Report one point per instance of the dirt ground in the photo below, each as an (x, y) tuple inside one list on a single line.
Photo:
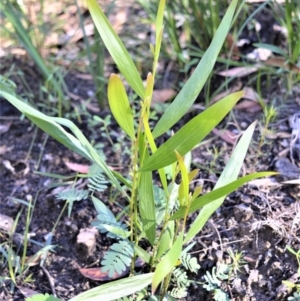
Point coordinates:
[(260, 219)]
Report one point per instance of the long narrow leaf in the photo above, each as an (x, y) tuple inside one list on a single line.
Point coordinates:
[(218, 193), (191, 134), (47, 125), (51, 126), (183, 193), (119, 105), (166, 241), (193, 86), (116, 289), (116, 48), (159, 33), (167, 263), (229, 174), (147, 205)]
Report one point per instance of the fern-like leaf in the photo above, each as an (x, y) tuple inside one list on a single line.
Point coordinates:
[(109, 225), (189, 262), (212, 282), (178, 292), (181, 278), (223, 271), (97, 183), (117, 258), (71, 196)]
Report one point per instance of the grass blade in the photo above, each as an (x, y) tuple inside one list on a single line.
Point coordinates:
[(191, 134), (193, 86), (119, 105), (116, 48), (167, 263), (52, 126), (219, 193), (116, 289), (147, 205)]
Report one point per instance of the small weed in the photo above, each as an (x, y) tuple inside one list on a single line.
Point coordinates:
[(237, 261), (270, 113), (17, 261)]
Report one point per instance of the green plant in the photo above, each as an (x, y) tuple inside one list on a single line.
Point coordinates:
[(237, 261), (288, 16), (16, 260), (195, 20), (270, 113), (96, 65), (213, 282), (27, 35), (291, 284), (161, 222), (297, 255)]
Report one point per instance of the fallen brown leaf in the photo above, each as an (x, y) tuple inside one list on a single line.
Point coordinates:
[(27, 292), (119, 19), (226, 135), (239, 71), (250, 94), (249, 105), (4, 127), (82, 168), (97, 275), (164, 95), (236, 87), (281, 62)]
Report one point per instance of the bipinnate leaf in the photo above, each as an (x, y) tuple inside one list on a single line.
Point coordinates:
[(167, 263), (194, 85), (101, 208), (117, 258), (191, 133), (116, 289), (116, 48), (52, 126), (119, 105)]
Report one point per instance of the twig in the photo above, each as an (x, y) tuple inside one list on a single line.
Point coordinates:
[(51, 281)]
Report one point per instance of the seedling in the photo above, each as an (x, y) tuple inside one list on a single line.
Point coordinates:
[(162, 223)]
